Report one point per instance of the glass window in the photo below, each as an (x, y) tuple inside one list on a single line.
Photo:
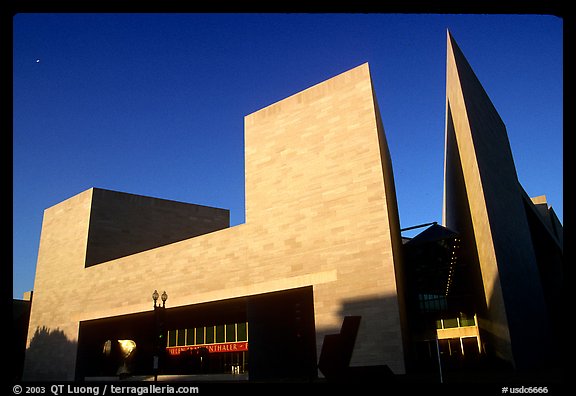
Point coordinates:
[(171, 338), (455, 346), (231, 332), (242, 334), (210, 335), (450, 323), (220, 333), (443, 304), (431, 302), (181, 337), (189, 336), (199, 335), (466, 320)]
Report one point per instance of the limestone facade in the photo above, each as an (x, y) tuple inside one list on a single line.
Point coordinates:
[(320, 211)]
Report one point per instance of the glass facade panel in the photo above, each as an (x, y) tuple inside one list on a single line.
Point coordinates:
[(171, 338), (242, 333), (209, 334), (181, 337), (190, 337), (431, 302), (450, 323), (231, 359), (220, 333), (199, 335), (466, 320), (455, 347), (231, 332)]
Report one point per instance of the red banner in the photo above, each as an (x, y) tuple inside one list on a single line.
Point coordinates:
[(212, 348)]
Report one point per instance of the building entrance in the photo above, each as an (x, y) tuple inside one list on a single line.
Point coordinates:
[(267, 336), (212, 349)]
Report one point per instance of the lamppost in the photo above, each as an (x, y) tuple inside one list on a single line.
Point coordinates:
[(164, 297), (160, 327)]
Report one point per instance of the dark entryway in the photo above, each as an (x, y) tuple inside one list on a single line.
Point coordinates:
[(282, 335), (281, 338)]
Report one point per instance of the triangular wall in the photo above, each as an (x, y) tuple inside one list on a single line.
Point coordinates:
[(483, 201)]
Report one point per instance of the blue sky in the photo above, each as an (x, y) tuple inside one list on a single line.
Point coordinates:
[(154, 104)]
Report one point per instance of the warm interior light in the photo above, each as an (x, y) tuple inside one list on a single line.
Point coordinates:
[(127, 346)]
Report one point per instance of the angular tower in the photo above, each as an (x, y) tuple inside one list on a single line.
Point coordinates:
[(485, 203)]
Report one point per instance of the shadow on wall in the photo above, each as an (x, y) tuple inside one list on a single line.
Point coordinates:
[(49, 346), (530, 345), (382, 343), (336, 353), (20, 322)]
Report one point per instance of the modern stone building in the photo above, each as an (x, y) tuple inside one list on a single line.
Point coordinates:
[(321, 242), (513, 246)]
